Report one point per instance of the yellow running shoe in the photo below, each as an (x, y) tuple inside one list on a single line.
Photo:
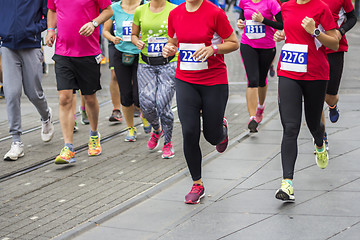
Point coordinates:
[(322, 158), (66, 156), (94, 145), (146, 125), (286, 191)]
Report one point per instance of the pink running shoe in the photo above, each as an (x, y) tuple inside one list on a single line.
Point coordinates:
[(154, 140), (259, 114), (168, 151), (196, 193), (221, 147)]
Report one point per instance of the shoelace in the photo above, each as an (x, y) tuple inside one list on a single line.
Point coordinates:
[(66, 152), (155, 137), (94, 141), (196, 189)]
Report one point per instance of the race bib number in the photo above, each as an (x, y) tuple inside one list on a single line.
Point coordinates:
[(294, 57), (156, 45), (187, 62), (254, 30), (126, 31)]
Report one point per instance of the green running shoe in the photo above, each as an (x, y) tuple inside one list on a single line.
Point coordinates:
[(322, 158), (286, 191)]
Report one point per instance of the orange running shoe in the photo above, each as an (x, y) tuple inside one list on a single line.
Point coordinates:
[(94, 145)]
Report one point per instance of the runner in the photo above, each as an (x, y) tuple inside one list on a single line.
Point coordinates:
[(203, 34), (258, 50), (155, 74), (77, 64), (303, 72), (21, 24), (125, 60), (344, 16)]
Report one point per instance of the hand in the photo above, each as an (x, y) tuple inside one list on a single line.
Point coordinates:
[(279, 36), (169, 50), (203, 53), (338, 35), (87, 29), (117, 40), (140, 44), (258, 17), (240, 24), (309, 25), (50, 38)]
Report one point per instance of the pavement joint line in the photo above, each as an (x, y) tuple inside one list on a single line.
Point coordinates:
[(141, 197)]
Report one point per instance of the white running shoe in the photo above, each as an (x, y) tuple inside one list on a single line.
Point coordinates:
[(47, 128), (16, 151)]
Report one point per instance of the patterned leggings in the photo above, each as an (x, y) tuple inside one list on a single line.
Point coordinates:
[(156, 91)]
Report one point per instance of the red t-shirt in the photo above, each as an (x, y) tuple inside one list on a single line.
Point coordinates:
[(208, 25), (338, 9), (311, 64)]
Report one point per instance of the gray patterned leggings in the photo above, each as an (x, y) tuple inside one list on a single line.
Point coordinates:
[(156, 91)]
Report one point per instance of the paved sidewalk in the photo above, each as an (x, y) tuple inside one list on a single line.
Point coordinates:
[(240, 187)]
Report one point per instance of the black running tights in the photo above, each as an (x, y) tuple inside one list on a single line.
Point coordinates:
[(191, 99), (291, 94)]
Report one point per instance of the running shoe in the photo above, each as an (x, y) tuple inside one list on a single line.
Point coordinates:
[(66, 156), (146, 125), (75, 127), (2, 95), (136, 112), (326, 142), (131, 135), (334, 113), (286, 191), (154, 140), (259, 114), (94, 145), (47, 128), (197, 192), (221, 147), (322, 158), (16, 151), (272, 71), (116, 116), (84, 117), (252, 125), (168, 151)]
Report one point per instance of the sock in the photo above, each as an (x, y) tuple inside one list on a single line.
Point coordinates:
[(82, 108), (157, 132), (320, 149), (260, 106), (93, 133), (70, 146), (75, 117), (16, 138), (252, 117), (289, 181)]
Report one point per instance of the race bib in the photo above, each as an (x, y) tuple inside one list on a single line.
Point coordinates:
[(126, 31), (254, 30), (294, 57), (156, 45), (187, 62)]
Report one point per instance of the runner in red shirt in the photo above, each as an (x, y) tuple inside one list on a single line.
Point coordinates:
[(345, 19), (203, 34), (303, 72)]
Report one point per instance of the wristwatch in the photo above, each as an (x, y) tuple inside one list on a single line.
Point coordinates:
[(95, 23), (316, 32), (342, 31), (215, 48)]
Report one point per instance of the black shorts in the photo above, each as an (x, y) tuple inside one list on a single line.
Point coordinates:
[(77, 73), (112, 51)]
